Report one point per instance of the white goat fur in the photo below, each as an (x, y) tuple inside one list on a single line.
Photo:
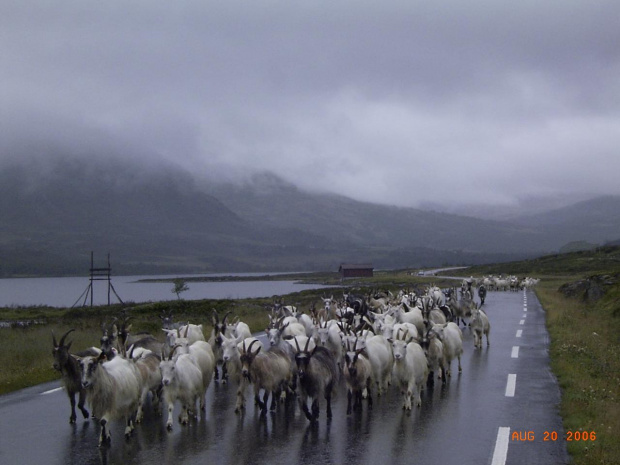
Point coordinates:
[(410, 370), (480, 325), (452, 338), (182, 380), (112, 390)]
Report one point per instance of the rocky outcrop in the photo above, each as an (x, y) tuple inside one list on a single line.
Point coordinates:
[(590, 289)]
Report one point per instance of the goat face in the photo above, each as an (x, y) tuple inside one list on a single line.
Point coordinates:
[(399, 348), (61, 356), (167, 370), (273, 334), (247, 357), (88, 367), (302, 359), (323, 333), (350, 359)]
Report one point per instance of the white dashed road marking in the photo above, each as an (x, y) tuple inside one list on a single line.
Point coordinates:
[(515, 352), (511, 385), (501, 446), (51, 391)]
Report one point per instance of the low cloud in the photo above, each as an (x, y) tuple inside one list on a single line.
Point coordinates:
[(396, 102)]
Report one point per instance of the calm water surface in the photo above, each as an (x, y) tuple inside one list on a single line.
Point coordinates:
[(65, 292)]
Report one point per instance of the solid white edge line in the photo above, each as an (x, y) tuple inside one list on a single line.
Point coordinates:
[(511, 385), (501, 446), (519, 332), (515, 352), (51, 391)]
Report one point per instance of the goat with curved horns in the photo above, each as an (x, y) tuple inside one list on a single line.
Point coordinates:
[(69, 368)]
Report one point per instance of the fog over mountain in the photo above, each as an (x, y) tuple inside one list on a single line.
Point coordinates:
[(451, 103), (161, 218)]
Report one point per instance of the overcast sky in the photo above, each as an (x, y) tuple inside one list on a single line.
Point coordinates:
[(387, 101)]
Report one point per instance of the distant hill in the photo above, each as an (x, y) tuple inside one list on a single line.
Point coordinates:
[(596, 220), (162, 220)]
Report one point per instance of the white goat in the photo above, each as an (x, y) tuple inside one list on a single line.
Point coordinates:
[(182, 380), (480, 325), (147, 364), (202, 355), (328, 335), (452, 338), (192, 333), (231, 351), (381, 358), (112, 390), (410, 369), (405, 314)]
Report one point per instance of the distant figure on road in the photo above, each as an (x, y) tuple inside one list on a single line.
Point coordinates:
[(482, 293)]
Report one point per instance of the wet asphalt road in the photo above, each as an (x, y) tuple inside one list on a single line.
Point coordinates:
[(457, 424)]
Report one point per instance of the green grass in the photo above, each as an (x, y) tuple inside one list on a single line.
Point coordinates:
[(585, 357)]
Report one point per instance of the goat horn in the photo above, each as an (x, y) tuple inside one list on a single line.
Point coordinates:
[(307, 345), (54, 339), (225, 316), (62, 339), (251, 344), (297, 344), (186, 330), (176, 346)]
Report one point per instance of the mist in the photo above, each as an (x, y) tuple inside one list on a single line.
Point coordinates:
[(408, 104)]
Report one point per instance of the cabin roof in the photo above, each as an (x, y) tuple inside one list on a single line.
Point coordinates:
[(356, 266)]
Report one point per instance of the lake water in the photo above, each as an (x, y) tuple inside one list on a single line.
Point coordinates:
[(65, 292)]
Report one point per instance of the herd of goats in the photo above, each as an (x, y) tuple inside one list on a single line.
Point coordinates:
[(405, 340)]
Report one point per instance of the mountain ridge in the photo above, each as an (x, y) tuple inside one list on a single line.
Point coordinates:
[(164, 219)]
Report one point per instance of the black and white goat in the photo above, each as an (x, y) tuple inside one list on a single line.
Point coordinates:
[(69, 368), (317, 373), (270, 371)]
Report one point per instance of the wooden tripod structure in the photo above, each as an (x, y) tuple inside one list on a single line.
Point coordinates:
[(98, 274)]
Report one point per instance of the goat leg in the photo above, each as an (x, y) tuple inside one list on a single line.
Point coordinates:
[(349, 398), (81, 401), (274, 396), (315, 410), (73, 417)]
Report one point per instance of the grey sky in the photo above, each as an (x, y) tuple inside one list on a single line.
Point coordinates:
[(394, 102)]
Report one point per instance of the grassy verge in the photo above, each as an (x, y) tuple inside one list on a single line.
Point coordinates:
[(585, 357)]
